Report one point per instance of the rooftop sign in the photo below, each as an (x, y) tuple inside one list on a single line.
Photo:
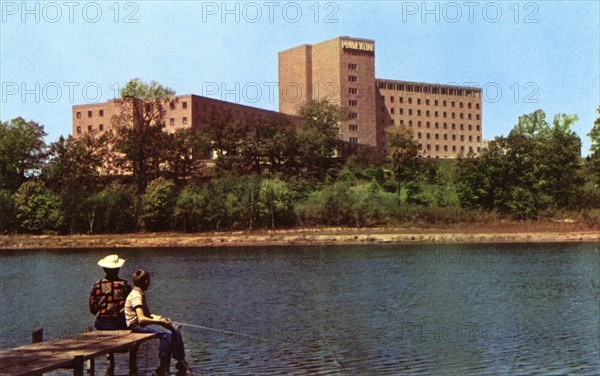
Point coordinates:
[(358, 45)]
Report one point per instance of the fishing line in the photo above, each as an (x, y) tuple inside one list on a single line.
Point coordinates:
[(255, 337)]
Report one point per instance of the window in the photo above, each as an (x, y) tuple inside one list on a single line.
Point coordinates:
[(462, 116), (172, 121), (461, 105), (401, 111), (78, 129), (409, 100), (410, 111), (101, 112), (437, 136), (184, 120), (352, 78), (352, 66), (477, 116), (89, 114), (401, 99), (353, 90), (393, 122), (78, 115), (469, 116), (453, 125), (353, 115), (445, 147), (392, 110), (478, 128), (437, 147), (470, 138), (418, 100), (428, 136), (453, 137), (445, 125), (444, 103), (469, 105), (353, 103), (436, 114), (101, 127), (453, 147), (436, 103), (453, 104), (462, 137), (462, 127), (184, 105), (410, 123), (477, 106), (172, 105), (418, 112), (478, 139), (470, 127), (428, 124), (90, 128), (419, 123), (354, 140), (445, 114), (392, 99), (445, 136), (419, 135), (427, 102), (453, 115), (353, 127)]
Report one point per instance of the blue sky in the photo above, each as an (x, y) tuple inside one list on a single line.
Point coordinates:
[(526, 55)]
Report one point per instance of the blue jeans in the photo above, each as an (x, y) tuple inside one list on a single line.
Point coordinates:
[(171, 341)]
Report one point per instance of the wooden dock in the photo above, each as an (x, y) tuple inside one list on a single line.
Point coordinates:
[(72, 352)]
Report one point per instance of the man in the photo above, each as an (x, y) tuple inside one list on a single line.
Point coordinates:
[(107, 298)]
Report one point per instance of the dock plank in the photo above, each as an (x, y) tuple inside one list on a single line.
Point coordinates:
[(43, 357)]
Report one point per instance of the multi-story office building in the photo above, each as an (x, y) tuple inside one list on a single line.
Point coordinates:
[(445, 119)]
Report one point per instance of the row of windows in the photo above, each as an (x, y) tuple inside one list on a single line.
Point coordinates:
[(352, 78), (435, 114), (90, 128), (417, 88), (437, 125), (184, 105), (435, 102), (352, 66), (454, 148), (90, 114), (454, 137), (184, 121)]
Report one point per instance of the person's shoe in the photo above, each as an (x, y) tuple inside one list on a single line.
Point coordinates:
[(183, 368)]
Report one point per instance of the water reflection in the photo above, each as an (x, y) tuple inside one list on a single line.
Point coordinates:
[(455, 309)]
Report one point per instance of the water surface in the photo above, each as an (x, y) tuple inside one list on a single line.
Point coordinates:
[(381, 309)]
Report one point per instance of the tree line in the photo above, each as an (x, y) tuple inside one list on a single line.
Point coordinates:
[(275, 172)]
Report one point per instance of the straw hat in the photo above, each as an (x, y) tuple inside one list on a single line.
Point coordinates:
[(111, 262)]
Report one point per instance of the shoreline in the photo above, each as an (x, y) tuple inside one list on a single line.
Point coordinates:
[(530, 232)]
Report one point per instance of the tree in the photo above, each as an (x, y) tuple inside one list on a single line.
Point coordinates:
[(22, 151), (111, 210), (139, 127), (8, 212), (403, 155), (594, 135), (158, 205), (225, 134), (73, 171), (181, 151), (275, 201), (318, 137), (535, 167), (38, 209)]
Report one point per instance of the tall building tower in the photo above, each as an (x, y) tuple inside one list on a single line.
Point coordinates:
[(446, 120), (340, 70)]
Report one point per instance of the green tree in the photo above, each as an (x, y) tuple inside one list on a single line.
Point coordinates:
[(111, 210), (139, 128), (22, 151), (73, 172), (191, 210), (38, 209), (226, 134), (275, 202), (182, 151), (8, 212), (318, 137), (594, 135), (403, 155), (158, 205)]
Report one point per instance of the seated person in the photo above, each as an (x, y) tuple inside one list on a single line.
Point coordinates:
[(141, 320), (107, 298)]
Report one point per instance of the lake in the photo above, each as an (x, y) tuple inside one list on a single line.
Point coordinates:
[(493, 309)]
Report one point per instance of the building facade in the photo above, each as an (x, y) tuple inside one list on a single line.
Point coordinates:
[(186, 111), (446, 120)]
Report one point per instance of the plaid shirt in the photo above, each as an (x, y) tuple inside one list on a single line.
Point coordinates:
[(107, 298)]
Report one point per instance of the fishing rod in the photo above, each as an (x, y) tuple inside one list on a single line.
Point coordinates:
[(255, 337)]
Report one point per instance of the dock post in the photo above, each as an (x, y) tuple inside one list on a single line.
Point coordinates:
[(133, 370), (37, 336), (78, 366)]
